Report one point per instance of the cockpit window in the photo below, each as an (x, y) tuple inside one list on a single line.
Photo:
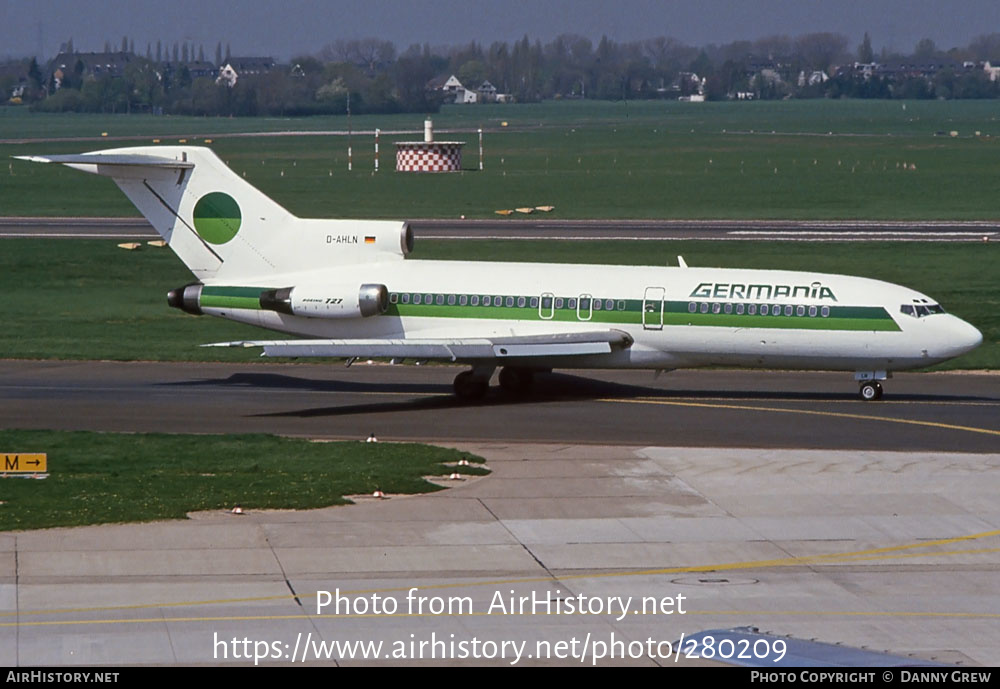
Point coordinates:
[(921, 310)]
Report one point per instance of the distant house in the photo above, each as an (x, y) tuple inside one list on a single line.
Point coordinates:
[(89, 65), (197, 69), (237, 67), (466, 96), (813, 78), (451, 90), (487, 92), (992, 69), (865, 70), (687, 85)]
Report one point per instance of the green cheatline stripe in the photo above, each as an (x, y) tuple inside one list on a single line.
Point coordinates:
[(231, 297), (229, 303), (675, 313)]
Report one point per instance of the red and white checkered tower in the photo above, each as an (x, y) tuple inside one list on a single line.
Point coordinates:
[(429, 155)]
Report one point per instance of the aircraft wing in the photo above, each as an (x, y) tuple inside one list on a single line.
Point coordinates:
[(448, 349)]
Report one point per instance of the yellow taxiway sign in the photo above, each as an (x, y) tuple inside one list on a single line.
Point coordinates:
[(24, 463)]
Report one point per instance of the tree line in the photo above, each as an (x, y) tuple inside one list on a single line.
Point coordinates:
[(370, 75)]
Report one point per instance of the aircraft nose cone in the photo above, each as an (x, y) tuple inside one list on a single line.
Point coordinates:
[(965, 337)]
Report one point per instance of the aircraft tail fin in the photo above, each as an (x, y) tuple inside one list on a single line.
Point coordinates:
[(221, 226)]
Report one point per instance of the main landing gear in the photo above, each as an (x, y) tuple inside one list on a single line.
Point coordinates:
[(474, 384), (470, 385), (871, 385), (516, 381)]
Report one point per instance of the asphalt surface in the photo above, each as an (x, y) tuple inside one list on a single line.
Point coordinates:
[(578, 230), (946, 412), (882, 536)]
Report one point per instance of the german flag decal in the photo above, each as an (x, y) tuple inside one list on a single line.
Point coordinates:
[(369, 239)]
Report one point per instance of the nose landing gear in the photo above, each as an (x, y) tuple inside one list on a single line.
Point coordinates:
[(871, 386), (871, 391)]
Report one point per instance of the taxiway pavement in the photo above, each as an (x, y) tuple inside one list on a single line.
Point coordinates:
[(884, 534)]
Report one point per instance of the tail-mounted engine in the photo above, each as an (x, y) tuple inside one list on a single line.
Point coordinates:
[(337, 301), (327, 302)]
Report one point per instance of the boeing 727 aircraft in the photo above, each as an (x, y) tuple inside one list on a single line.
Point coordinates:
[(344, 287)]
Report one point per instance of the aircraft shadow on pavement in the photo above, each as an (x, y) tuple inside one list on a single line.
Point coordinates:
[(548, 388)]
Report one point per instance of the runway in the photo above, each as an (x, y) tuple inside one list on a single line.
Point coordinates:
[(577, 230), (947, 412), (687, 492)]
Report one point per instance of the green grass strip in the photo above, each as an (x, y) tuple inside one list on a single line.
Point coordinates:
[(97, 478)]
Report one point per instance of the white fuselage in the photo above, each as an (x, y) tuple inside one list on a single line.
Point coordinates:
[(677, 317)]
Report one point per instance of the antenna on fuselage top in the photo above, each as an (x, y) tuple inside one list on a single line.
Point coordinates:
[(681, 262)]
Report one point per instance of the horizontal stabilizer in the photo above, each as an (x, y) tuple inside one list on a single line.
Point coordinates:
[(110, 159), (452, 349)]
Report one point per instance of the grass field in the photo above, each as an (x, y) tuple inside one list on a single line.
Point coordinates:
[(98, 478), (87, 299), (796, 159)]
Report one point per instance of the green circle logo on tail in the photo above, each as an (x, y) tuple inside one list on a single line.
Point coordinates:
[(217, 217)]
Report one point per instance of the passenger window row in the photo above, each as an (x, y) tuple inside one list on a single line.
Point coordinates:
[(547, 302), (751, 309)]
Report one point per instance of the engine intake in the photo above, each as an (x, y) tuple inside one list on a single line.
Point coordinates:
[(186, 298)]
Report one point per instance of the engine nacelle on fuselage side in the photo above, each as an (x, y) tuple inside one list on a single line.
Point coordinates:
[(336, 301), (341, 301)]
